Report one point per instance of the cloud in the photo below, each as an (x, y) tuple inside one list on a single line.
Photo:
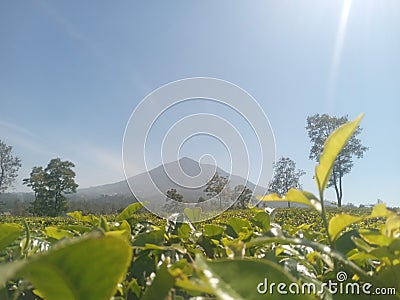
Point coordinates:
[(21, 137)]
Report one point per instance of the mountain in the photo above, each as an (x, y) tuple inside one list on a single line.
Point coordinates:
[(161, 176)]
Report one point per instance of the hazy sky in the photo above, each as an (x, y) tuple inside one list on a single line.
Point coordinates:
[(71, 74)]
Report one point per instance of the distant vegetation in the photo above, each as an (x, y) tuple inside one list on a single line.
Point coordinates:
[(319, 127), (54, 185), (241, 254), (50, 185), (9, 166)]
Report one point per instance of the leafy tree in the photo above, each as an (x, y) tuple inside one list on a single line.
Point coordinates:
[(319, 127), (9, 166), (285, 177), (200, 201), (173, 200), (50, 186), (217, 187), (242, 195), (37, 181)]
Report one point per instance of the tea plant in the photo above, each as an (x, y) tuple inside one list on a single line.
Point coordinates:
[(139, 256)]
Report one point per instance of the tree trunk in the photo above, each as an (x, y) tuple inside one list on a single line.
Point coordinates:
[(340, 191), (338, 197)]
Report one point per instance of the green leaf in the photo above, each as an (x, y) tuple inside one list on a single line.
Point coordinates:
[(239, 225), (184, 231), (211, 230), (194, 285), (57, 233), (77, 228), (262, 220), (9, 232), (128, 212), (345, 242), (194, 215), (392, 226), (7, 271), (161, 285), (294, 195), (104, 224), (155, 237), (395, 245), (332, 147), (380, 210), (76, 270), (362, 245), (303, 197), (77, 215), (374, 237), (361, 256), (123, 230), (390, 275), (339, 222), (239, 279), (271, 197)]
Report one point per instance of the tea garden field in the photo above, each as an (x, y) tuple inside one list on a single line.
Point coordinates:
[(316, 252), (140, 256)]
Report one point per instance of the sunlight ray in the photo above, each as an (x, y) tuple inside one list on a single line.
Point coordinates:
[(337, 55)]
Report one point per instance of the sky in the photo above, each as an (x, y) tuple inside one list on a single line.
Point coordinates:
[(72, 73)]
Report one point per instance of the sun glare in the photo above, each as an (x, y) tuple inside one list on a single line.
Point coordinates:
[(337, 53)]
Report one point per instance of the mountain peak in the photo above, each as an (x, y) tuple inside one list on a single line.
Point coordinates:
[(186, 159)]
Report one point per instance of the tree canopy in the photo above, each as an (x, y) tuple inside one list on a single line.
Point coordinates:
[(173, 201), (217, 187), (242, 196), (9, 166), (285, 177), (50, 185), (319, 127)]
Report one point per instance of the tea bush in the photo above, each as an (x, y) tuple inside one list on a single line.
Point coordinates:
[(241, 254)]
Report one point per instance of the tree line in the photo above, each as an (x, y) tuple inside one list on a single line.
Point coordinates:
[(52, 184), (285, 175)]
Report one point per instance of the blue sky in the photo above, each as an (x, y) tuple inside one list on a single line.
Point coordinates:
[(72, 73)]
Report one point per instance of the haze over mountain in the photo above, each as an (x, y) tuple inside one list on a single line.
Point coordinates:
[(161, 176), (144, 189)]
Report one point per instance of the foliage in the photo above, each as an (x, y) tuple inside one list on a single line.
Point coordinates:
[(319, 127), (285, 177), (50, 186), (9, 166), (173, 201), (242, 196), (218, 187), (237, 255)]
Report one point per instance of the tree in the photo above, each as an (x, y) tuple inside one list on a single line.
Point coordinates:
[(319, 127), (9, 166), (173, 200), (217, 187), (50, 186), (242, 195), (285, 177)]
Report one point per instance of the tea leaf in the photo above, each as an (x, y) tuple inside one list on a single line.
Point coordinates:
[(339, 222), (8, 233), (332, 147), (239, 279)]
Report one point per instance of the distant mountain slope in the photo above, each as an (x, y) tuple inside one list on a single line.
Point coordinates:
[(146, 192), (162, 180)]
